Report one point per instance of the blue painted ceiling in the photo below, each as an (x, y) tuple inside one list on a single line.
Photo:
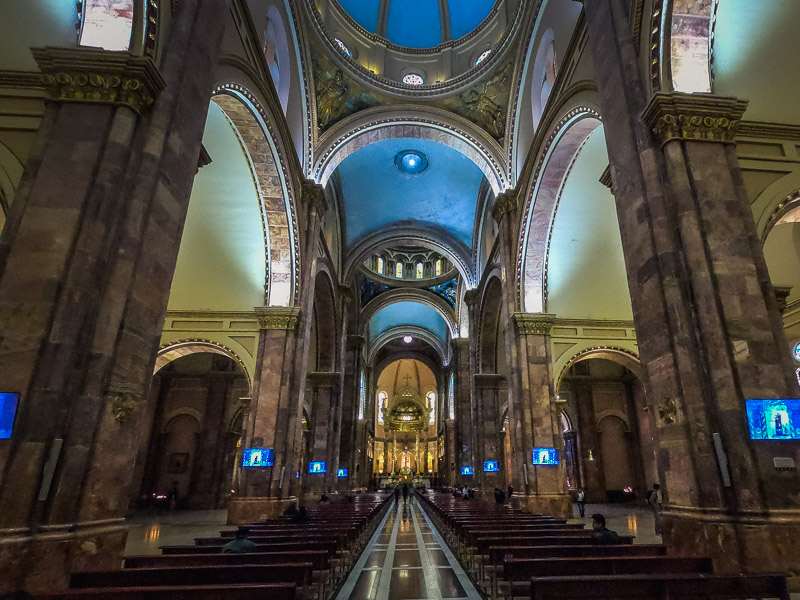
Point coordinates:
[(408, 313), (418, 23), (377, 195)]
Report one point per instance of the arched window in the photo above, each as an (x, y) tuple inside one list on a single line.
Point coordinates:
[(438, 267), (431, 398), (107, 25), (398, 270), (543, 75), (413, 79), (420, 271), (271, 53), (380, 266), (451, 399), (276, 51), (484, 55), (343, 47), (362, 397), (383, 401)]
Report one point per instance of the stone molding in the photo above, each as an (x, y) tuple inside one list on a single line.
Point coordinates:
[(782, 295), (534, 324), (471, 297), (504, 203), (490, 380), (204, 158), (694, 117), (605, 178), (21, 80), (346, 294), (99, 77), (314, 195), (322, 379), (356, 342), (278, 317)]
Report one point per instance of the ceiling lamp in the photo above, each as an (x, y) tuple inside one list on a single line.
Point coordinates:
[(408, 339), (411, 162)]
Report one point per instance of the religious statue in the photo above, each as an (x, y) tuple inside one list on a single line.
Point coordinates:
[(485, 104), (329, 99)]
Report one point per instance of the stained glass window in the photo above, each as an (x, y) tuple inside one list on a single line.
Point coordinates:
[(382, 402), (451, 400), (398, 270), (107, 24), (420, 271), (413, 79), (343, 47), (380, 266), (431, 396), (362, 397), (484, 55), (438, 267)]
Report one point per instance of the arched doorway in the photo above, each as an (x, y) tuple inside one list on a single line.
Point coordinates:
[(190, 448), (608, 434)]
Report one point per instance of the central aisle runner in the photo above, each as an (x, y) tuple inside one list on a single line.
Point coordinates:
[(407, 559)]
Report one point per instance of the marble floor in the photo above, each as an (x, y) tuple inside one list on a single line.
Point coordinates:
[(406, 559), (148, 532)]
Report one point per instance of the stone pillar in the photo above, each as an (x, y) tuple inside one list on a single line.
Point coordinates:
[(349, 452), (707, 322), (463, 433), (491, 391), (86, 260), (594, 482), (322, 394)]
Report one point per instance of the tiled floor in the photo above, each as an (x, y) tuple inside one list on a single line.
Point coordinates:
[(407, 560)]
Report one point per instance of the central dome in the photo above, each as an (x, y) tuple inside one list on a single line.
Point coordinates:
[(418, 23)]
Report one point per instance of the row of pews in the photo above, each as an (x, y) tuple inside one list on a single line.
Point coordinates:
[(512, 554), (292, 561)]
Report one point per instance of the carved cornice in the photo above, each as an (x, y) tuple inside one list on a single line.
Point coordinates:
[(100, 77), (356, 342), (322, 379), (771, 131), (21, 80), (204, 159), (781, 295), (489, 380), (534, 324), (504, 203), (278, 317), (346, 294), (471, 297), (314, 195), (694, 117), (605, 179)]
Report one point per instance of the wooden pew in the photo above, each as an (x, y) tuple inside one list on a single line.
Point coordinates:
[(661, 587), (270, 591), (517, 572)]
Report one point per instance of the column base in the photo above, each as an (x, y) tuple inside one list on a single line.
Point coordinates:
[(743, 543), (555, 505), (250, 510), (41, 563)]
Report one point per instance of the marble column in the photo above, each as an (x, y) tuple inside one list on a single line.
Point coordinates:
[(322, 395), (707, 321), (491, 390), (349, 450), (86, 260), (463, 433)]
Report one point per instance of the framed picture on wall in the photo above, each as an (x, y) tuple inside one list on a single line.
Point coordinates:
[(178, 462)]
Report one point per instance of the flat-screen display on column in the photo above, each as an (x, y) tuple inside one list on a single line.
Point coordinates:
[(341, 473), (317, 466), (545, 456), (773, 419), (490, 466), (466, 470), (257, 457), (8, 412)]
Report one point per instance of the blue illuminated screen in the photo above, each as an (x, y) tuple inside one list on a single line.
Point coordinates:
[(341, 473), (257, 457), (773, 419), (490, 466), (8, 412), (545, 456), (317, 466), (466, 470)]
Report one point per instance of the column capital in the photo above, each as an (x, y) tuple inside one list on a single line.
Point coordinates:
[(278, 317), (693, 117), (504, 202), (605, 178), (346, 293), (313, 194), (534, 323), (99, 77), (356, 342)]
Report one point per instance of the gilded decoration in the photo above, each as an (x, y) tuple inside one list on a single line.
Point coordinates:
[(407, 411), (504, 203), (275, 317), (99, 77), (694, 117), (534, 324), (668, 411), (123, 405)]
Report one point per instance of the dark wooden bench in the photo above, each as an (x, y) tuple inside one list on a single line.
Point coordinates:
[(517, 572), (272, 591), (327, 545), (661, 587)]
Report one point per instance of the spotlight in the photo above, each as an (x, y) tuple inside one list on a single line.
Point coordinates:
[(407, 339)]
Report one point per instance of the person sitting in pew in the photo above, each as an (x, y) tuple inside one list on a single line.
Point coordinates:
[(302, 515), (291, 510), (601, 534), (240, 543)]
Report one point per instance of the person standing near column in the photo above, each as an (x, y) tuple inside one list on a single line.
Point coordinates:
[(581, 498), (654, 499)]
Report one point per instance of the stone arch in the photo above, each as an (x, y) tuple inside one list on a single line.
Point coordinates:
[(10, 173), (175, 350), (409, 121), (621, 356), (432, 238), (541, 201), (413, 330), (272, 179), (411, 295), (323, 323), (490, 350)]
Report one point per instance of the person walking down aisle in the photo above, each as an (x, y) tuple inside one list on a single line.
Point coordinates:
[(654, 499), (581, 497), (405, 493)]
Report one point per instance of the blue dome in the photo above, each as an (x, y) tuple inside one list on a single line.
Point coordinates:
[(418, 23)]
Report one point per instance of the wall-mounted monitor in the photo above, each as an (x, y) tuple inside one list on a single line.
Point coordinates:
[(466, 470), (491, 466), (773, 419), (8, 413), (257, 457), (545, 456), (317, 466), (341, 473)]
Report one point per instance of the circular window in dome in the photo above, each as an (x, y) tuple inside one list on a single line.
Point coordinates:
[(484, 55), (343, 47), (411, 162), (413, 79)]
